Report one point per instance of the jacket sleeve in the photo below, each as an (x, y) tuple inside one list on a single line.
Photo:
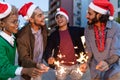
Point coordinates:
[(49, 48), (7, 69), (24, 53)]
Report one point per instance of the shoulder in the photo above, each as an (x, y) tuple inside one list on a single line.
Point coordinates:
[(3, 42), (24, 31), (116, 24), (54, 31), (76, 28)]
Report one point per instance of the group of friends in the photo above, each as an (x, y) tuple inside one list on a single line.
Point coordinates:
[(33, 45)]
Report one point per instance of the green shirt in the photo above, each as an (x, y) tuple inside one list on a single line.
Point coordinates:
[(7, 59)]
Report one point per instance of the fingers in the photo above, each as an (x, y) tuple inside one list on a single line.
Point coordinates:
[(51, 60), (43, 67), (83, 68), (102, 66), (33, 72)]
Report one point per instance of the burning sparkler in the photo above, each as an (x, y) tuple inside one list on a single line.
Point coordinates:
[(83, 58)]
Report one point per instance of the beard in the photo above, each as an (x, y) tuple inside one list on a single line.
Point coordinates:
[(93, 21), (38, 24)]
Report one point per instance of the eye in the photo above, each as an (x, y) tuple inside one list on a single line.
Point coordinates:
[(15, 21)]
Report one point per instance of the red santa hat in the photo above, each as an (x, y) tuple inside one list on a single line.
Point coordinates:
[(102, 7), (5, 9), (63, 12), (27, 10)]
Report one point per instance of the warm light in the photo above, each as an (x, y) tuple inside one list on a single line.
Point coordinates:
[(60, 56), (83, 58), (62, 70), (78, 71)]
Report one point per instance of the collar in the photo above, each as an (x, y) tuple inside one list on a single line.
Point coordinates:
[(109, 24), (34, 32), (7, 37)]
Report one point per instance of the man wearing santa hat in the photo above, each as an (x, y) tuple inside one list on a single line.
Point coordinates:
[(32, 38), (102, 41), (9, 26), (65, 41)]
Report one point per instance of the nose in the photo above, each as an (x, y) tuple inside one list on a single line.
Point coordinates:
[(87, 16), (43, 16)]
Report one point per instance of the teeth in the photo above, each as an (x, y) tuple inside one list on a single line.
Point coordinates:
[(16, 28)]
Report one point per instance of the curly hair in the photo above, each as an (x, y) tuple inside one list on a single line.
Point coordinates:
[(104, 18), (14, 11)]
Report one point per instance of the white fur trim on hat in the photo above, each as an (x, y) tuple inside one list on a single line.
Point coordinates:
[(7, 12), (30, 12), (62, 13), (111, 17), (97, 9)]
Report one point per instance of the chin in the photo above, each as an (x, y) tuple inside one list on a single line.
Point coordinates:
[(90, 23), (15, 31), (43, 24)]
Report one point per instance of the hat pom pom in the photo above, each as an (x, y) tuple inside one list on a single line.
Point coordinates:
[(58, 9), (111, 17)]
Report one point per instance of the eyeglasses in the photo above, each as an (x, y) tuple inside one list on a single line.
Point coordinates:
[(14, 21)]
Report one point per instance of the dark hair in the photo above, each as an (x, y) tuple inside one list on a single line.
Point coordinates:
[(104, 18), (33, 15)]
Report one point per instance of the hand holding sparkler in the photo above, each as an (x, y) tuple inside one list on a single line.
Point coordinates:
[(83, 60), (51, 60), (83, 67), (42, 67)]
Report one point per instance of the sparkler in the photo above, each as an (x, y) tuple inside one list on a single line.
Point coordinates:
[(61, 69), (83, 58)]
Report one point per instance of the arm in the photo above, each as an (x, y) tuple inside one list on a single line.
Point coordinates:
[(115, 47), (6, 68), (114, 50), (49, 52), (25, 57), (87, 46)]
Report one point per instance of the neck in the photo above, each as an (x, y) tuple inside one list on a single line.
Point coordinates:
[(35, 27), (8, 32), (62, 28), (98, 24)]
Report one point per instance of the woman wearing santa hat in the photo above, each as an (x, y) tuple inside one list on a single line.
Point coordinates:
[(9, 26), (65, 41), (102, 41)]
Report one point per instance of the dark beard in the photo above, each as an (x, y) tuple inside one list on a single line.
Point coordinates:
[(94, 20), (38, 24)]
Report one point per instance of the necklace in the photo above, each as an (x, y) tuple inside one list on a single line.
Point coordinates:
[(100, 37)]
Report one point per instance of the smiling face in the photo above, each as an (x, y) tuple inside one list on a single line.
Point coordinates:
[(38, 18), (92, 16), (61, 21), (10, 23)]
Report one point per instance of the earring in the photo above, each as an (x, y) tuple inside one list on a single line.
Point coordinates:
[(3, 29)]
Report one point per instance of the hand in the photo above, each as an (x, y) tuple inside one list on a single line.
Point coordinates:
[(51, 60), (102, 66), (32, 72), (42, 67), (83, 67)]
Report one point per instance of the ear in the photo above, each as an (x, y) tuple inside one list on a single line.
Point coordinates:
[(99, 15), (2, 24), (31, 20)]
